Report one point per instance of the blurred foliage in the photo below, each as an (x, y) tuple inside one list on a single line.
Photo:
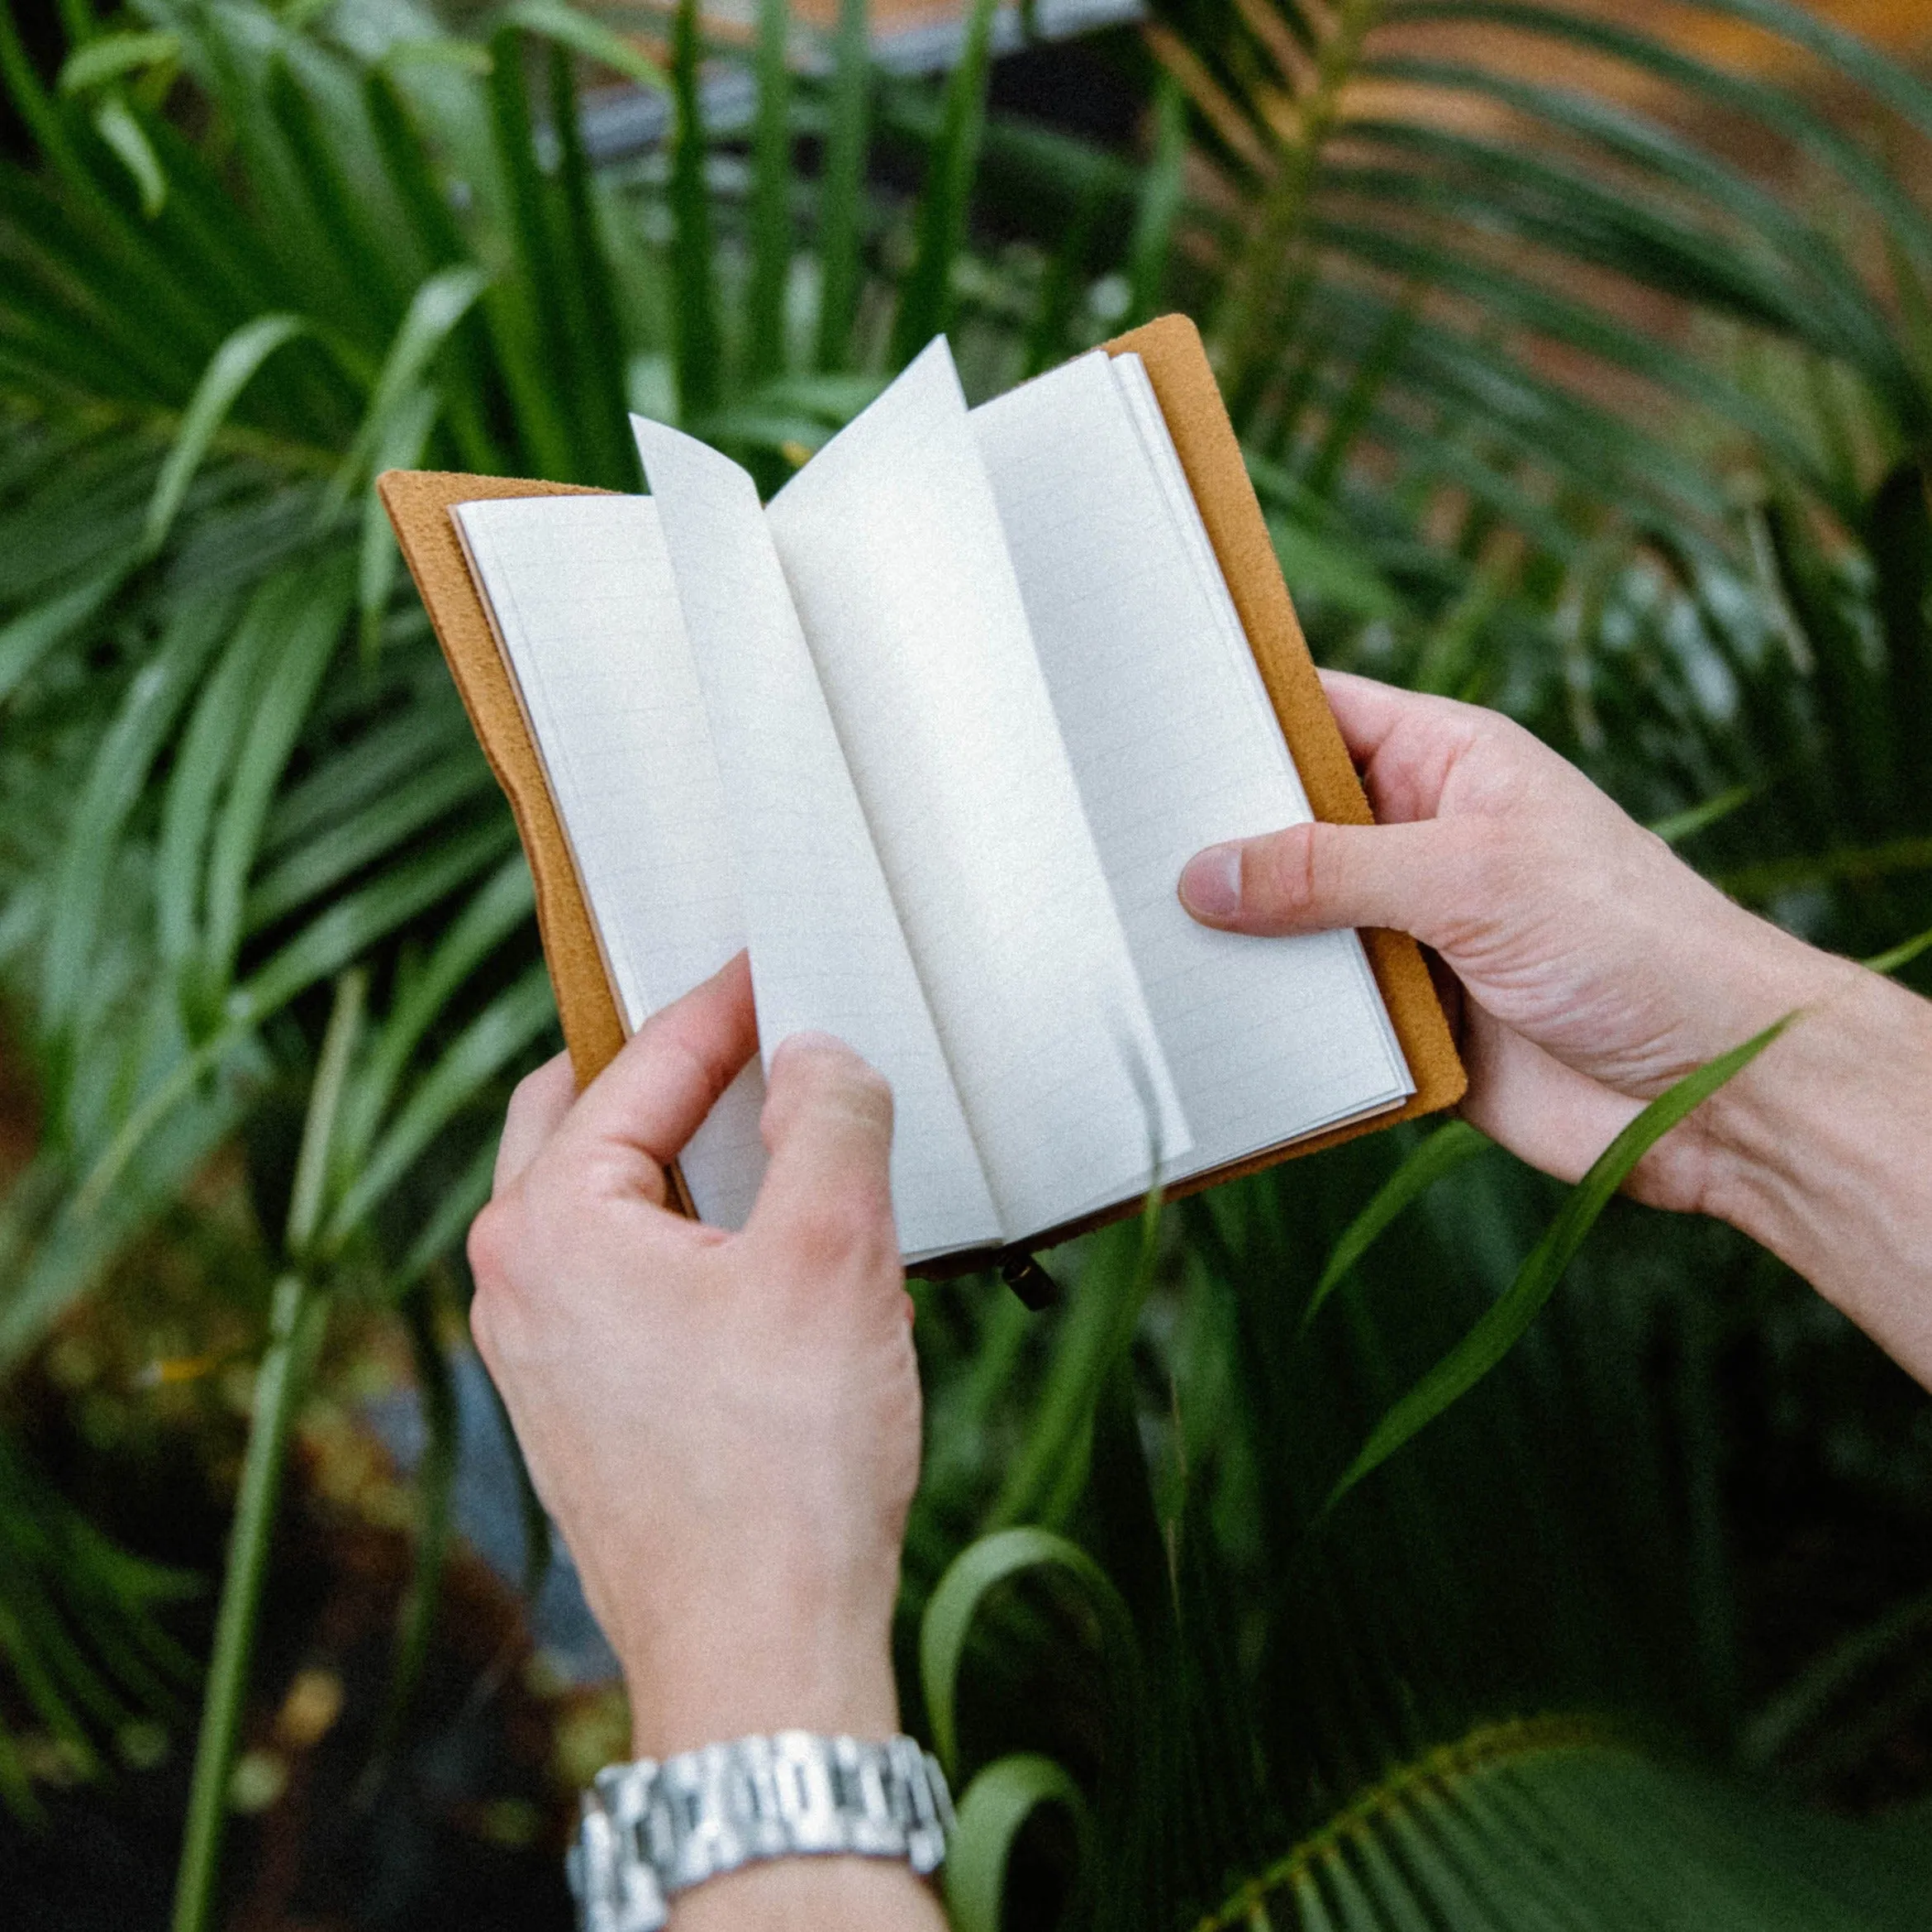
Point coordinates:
[(1551, 403)]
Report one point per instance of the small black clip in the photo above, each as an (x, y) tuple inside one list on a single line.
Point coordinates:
[(1035, 1287)]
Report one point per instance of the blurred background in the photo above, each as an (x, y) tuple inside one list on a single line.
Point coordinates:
[(1582, 357)]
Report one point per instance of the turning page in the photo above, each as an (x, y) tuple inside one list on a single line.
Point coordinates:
[(892, 545), (1175, 746), (827, 952), (585, 608)]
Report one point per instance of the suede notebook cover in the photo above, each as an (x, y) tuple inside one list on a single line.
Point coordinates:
[(419, 503)]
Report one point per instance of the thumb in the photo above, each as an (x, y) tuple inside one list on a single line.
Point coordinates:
[(828, 1125), (1416, 878)]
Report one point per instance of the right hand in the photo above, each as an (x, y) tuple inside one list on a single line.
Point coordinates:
[(1594, 968), (1598, 967)]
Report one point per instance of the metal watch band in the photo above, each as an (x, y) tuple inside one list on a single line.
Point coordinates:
[(651, 1831)]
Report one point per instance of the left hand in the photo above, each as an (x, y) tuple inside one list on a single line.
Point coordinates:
[(725, 1427)]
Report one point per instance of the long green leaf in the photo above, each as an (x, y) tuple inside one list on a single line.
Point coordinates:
[(371, 913), (1894, 958), (771, 196), (331, 941), (976, 1573), (1444, 1151), (85, 1239), (119, 772), (296, 1317), (31, 636), (203, 758), (1043, 1476), (413, 179), (113, 56), (435, 310), (380, 828), (229, 370), (443, 1231), (500, 1032), (1499, 1328), (498, 908), (307, 639), (698, 333), (120, 132), (1163, 190), (1679, 826), (328, 248), (1763, 878), (588, 300), (384, 754), (1786, 112), (1888, 80), (994, 1810), (925, 298), (842, 201), (403, 441), (584, 34), (533, 352)]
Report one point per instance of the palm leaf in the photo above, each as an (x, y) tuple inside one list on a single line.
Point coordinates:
[(994, 1810), (927, 298), (1486, 1344), (842, 234)]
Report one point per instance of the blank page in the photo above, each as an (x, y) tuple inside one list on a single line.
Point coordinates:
[(827, 953), (1175, 746), (581, 593), (892, 545)]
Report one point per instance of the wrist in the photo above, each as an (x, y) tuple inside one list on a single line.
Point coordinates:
[(785, 1828), (1822, 1152), (854, 1893), (712, 1648), (707, 1687)]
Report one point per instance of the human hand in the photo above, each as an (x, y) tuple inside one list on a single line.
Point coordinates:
[(1594, 967), (725, 1427)]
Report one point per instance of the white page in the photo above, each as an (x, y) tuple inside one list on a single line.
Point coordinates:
[(1136, 388), (892, 545), (827, 953), (581, 591), (1175, 746)]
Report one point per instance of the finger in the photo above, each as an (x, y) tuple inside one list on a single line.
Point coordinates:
[(1368, 710), (1430, 878), (653, 1097), (1528, 1101), (536, 1111), (1405, 743), (828, 1124)]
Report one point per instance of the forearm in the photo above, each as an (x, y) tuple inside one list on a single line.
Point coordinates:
[(753, 1675), (1827, 1158), (807, 1895)]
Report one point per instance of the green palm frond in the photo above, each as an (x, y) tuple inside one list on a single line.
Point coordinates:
[(1554, 1819), (232, 771)]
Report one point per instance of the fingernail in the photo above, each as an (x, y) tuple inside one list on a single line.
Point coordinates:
[(1211, 882), (807, 1041)]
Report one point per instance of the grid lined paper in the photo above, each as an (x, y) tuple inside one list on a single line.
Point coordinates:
[(934, 734), (1175, 746), (581, 591), (827, 951), (891, 545)]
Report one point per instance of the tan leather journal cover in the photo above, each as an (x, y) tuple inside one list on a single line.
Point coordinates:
[(418, 502)]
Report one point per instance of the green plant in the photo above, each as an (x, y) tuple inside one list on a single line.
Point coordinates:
[(1493, 1686), (256, 869)]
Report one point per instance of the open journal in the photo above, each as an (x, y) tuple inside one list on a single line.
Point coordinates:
[(932, 733)]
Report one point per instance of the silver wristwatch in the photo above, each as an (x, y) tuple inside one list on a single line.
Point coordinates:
[(650, 1830)]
